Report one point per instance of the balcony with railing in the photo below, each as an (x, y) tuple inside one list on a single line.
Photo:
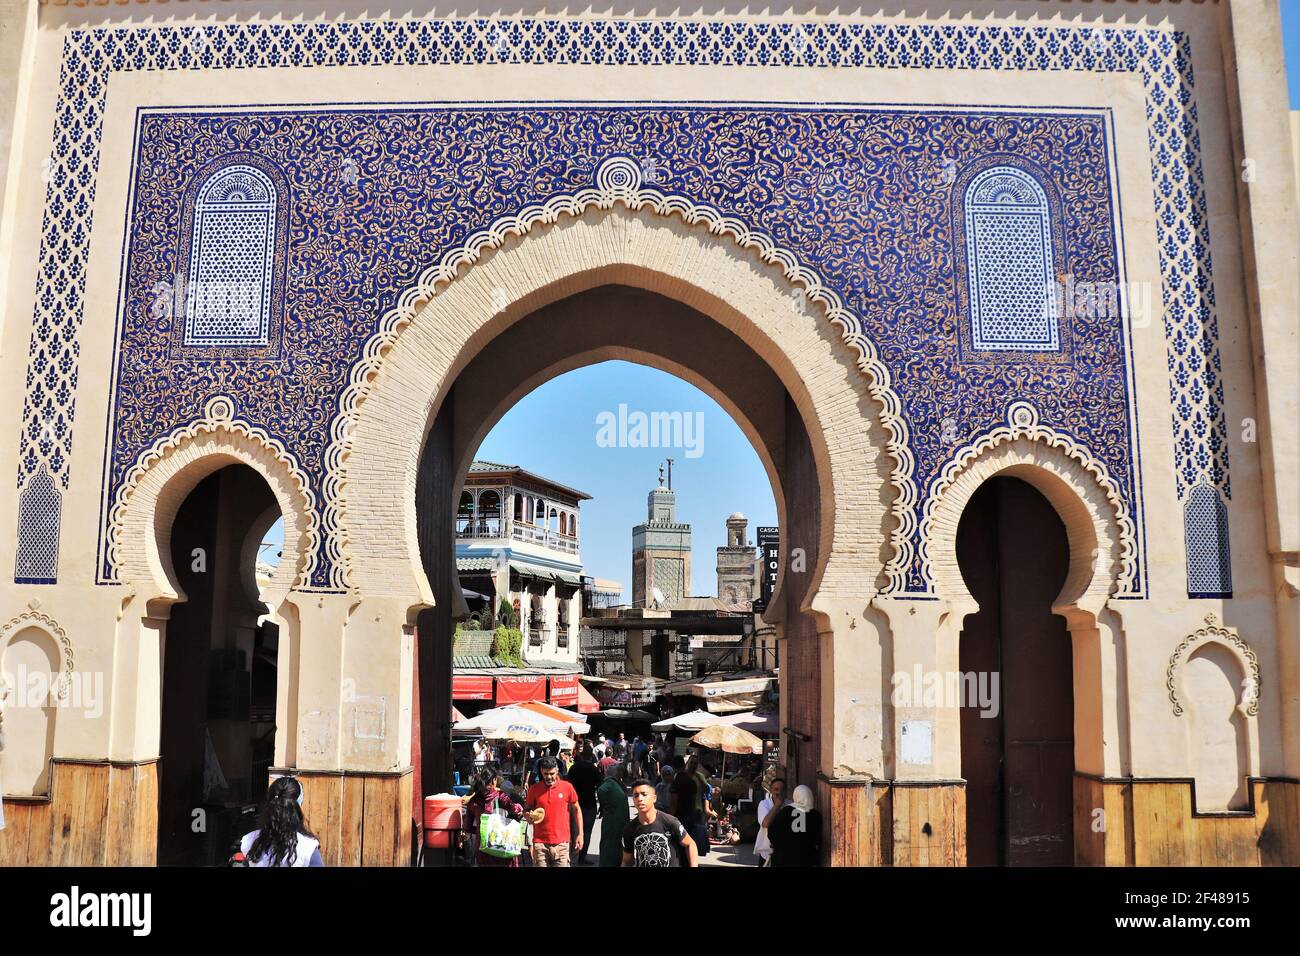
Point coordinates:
[(480, 528), (543, 536)]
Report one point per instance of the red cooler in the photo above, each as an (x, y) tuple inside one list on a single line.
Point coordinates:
[(442, 815)]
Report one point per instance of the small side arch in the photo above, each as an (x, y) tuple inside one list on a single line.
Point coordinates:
[(1102, 535), (35, 664), (141, 520), (1089, 508), (1215, 633), (1213, 681), (1079, 499)]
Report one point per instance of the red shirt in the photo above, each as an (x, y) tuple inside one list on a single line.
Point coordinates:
[(555, 801)]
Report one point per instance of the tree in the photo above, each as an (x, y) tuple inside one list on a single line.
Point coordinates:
[(506, 614), (507, 645)]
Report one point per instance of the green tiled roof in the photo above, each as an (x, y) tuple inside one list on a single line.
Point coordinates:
[(567, 666), (479, 465), (475, 662)]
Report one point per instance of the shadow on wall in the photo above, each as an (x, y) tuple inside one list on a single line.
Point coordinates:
[(1213, 680), (29, 667)]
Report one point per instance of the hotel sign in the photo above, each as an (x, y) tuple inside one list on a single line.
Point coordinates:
[(769, 553)]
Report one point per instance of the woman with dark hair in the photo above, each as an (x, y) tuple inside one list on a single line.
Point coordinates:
[(283, 838), (488, 797)]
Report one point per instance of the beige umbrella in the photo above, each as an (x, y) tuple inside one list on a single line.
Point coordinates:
[(728, 739)]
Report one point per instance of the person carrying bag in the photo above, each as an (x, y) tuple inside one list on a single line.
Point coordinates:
[(498, 835), (496, 818)]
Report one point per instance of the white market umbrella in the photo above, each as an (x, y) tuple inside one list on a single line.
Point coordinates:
[(575, 722), (695, 720), (514, 723)]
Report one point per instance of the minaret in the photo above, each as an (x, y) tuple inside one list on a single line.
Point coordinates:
[(661, 548), (736, 564)]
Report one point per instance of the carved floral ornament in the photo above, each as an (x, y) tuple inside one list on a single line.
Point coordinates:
[(1213, 632), (33, 617)]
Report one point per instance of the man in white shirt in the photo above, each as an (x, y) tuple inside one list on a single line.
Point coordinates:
[(774, 800)]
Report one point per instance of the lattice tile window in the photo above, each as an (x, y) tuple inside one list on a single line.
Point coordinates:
[(232, 254), (1010, 268), (1209, 559), (38, 531), (668, 577)]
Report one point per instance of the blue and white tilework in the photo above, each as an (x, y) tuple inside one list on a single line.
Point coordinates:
[(549, 150)]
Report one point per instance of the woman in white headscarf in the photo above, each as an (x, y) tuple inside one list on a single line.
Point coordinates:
[(796, 832)]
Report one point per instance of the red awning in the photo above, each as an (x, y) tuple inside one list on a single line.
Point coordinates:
[(586, 703), (471, 687), (516, 690), (564, 690)]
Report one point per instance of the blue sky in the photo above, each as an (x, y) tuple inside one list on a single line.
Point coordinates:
[(553, 431), (1291, 41)]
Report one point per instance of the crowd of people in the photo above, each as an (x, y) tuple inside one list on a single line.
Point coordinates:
[(676, 806), (673, 804), (638, 757)]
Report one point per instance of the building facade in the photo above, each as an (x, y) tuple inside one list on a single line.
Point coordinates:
[(517, 540), (1003, 293)]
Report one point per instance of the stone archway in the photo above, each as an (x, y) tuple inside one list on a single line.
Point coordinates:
[(719, 279), (141, 552), (844, 529)]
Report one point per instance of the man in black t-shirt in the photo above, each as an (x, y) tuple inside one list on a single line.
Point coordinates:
[(653, 839)]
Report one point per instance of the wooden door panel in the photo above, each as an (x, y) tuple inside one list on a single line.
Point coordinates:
[(981, 737), (1039, 802), (1014, 557)]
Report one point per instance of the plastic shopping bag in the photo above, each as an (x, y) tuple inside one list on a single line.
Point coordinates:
[(500, 836)]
